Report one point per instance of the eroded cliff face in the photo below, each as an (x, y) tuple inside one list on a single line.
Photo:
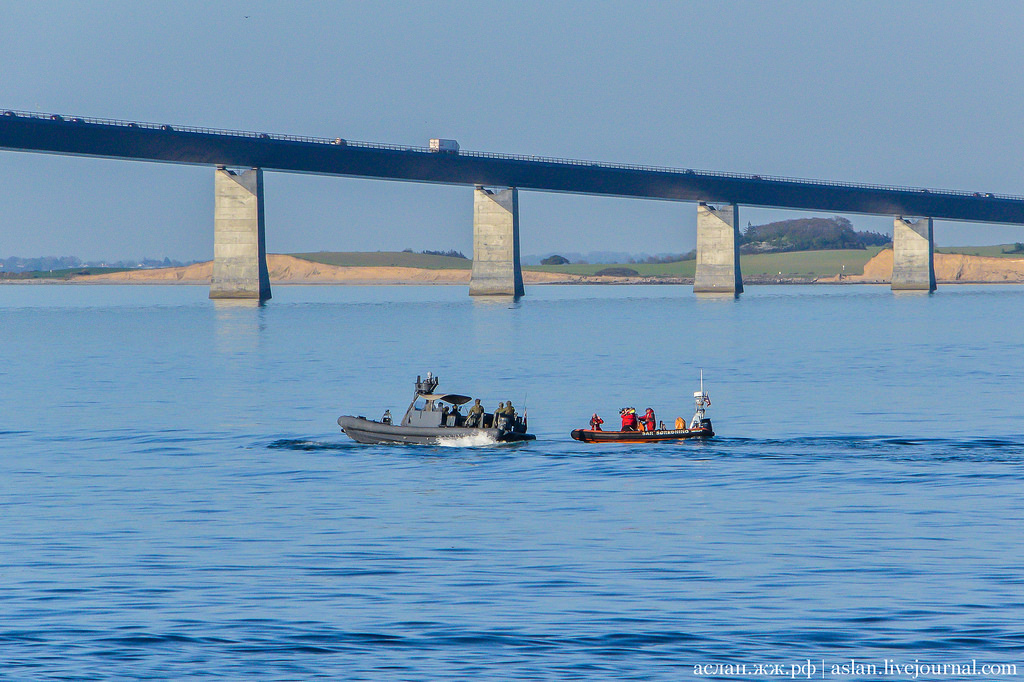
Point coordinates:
[(950, 268), (290, 270)]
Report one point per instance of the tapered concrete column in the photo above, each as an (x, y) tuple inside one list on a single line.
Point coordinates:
[(718, 250), (913, 255), (496, 268), (239, 247)]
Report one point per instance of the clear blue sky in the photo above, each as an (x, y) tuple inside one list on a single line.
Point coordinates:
[(910, 93)]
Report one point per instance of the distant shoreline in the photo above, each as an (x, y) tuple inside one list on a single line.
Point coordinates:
[(950, 268)]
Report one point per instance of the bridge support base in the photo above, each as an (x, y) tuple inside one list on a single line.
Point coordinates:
[(239, 248), (496, 267), (718, 251), (913, 255)]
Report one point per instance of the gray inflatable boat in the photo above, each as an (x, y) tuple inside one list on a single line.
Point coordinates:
[(433, 417)]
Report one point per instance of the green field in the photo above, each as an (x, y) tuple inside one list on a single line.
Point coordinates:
[(61, 274), (809, 263), (994, 251), (386, 259), (794, 264)]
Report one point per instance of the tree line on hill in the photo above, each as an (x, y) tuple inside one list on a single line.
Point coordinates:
[(50, 263), (451, 253), (808, 234), (802, 234), (556, 259)]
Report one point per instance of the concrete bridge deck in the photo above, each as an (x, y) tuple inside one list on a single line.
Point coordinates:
[(35, 132)]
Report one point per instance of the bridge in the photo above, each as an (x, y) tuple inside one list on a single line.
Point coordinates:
[(240, 269)]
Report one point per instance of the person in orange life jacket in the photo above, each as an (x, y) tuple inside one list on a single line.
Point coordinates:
[(595, 423), (649, 421), (629, 422)]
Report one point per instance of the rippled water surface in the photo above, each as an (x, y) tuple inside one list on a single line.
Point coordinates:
[(178, 502)]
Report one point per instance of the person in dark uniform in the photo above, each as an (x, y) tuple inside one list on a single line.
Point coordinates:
[(476, 415), (595, 423)]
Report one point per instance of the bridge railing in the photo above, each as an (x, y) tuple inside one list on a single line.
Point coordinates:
[(506, 157)]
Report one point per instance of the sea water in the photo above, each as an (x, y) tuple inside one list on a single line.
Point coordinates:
[(177, 501)]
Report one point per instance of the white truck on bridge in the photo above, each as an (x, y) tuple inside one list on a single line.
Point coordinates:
[(443, 146)]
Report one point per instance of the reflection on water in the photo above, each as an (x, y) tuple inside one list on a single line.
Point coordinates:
[(494, 320), (228, 303), (500, 301), (716, 296), (238, 323)]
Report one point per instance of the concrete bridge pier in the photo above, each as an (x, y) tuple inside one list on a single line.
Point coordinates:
[(718, 250), (913, 255), (496, 267), (239, 246)]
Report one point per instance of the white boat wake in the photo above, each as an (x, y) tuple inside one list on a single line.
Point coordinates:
[(474, 441)]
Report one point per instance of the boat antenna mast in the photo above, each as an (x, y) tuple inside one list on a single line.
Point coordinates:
[(701, 402)]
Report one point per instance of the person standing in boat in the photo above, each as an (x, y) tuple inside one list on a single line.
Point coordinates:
[(649, 421), (595, 423), (476, 415)]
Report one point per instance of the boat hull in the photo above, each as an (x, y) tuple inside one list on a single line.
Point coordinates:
[(660, 436), (372, 432)]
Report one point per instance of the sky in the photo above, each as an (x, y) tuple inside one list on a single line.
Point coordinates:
[(908, 93)]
